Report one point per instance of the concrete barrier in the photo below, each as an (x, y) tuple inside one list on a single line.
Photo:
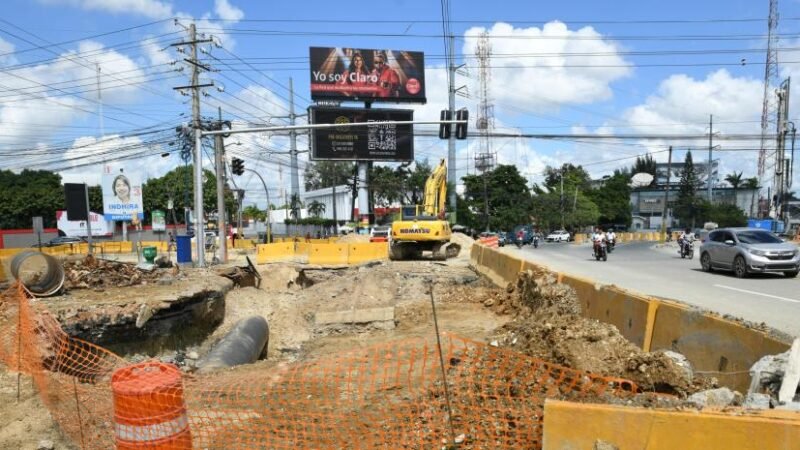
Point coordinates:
[(364, 252), (627, 427), (722, 348), (328, 254), (274, 252)]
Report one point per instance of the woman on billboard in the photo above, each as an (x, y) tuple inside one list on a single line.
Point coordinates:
[(122, 188), (356, 76)]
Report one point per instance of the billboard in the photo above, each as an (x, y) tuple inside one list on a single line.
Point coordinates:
[(122, 195), (352, 74), (159, 220), (77, 228), (378, 142)]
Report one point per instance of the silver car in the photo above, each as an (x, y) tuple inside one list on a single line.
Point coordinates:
[(749, 250)]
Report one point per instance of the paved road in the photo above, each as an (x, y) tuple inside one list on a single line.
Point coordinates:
[(660, 272)]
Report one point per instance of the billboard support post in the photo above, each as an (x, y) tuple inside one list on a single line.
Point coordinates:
[(88, 219), (451, 141), (38, 226)]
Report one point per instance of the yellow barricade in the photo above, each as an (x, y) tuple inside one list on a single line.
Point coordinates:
[(244, 243), (278, 251), (328, 254), (3, 262)]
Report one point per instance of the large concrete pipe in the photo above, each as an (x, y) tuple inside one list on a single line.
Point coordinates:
[(242, 345), (41, 274)]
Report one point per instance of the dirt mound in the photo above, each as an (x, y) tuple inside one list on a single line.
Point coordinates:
[(353, 238), (91, 272), (548, 325), (464, 241)]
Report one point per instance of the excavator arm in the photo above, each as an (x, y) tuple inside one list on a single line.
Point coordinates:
[(436, 191)]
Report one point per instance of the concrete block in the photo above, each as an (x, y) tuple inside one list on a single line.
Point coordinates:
[(713, 398), (757, 401), (682, 362), (366, 315), (791, 376)]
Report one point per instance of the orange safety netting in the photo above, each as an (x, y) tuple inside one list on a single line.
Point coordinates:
[(389, 396)]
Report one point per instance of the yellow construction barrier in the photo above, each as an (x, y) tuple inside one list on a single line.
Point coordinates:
[(363, 252), (724, 349), (625, 427), (244, 243), (328, 254), (274, 252)]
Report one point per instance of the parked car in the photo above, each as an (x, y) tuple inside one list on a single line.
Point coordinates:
[(346, 229), (558, 236), (749, 250), (380, 233), (61, 240)]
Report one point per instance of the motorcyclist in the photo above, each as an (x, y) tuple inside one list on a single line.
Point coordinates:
[(611, 238), (597, 239), (686, 237), (536, 238), (520, 237)]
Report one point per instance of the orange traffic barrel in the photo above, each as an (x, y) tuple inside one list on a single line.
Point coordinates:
[(149, 411)]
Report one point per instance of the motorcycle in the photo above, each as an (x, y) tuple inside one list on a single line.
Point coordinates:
[(520, 240), (600, 251), (686, 249), (536, 242), (611, 244)]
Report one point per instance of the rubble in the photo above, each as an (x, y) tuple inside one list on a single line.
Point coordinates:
[(757, 401), (93, 273), (715, 398)]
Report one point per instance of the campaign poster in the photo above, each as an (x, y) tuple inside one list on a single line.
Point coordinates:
[(122, 195), (159, 221), (367, 75), (378, 141)]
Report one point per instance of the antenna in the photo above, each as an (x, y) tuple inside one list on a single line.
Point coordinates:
[(769, 107)]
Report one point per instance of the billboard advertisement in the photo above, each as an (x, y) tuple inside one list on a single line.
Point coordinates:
[(77, 228), (122, 195), (375, 142), (352, 74)]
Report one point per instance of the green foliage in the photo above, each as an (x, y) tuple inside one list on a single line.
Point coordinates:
[(735, 180), (322, 174), (316, 208), (386, 185), (725, 215), (574, 176), (252, 212), (688, 206), (508, 195), (28, 194), (613, 200), (645, 164), (178, 183), (750, 183), (318, 221), (578, 211)]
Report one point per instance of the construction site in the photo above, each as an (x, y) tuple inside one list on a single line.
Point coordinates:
[(295, 354)]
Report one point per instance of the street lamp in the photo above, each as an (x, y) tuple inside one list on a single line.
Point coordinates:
[(269, 222)]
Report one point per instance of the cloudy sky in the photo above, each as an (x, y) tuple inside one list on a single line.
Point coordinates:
[(87, 82)]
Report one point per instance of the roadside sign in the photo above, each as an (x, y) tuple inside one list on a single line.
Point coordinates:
[(38, 225)]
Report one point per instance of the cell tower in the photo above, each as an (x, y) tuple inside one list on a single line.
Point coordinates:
[(484, 157), (769, 109)]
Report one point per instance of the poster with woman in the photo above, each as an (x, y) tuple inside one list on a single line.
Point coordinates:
[(122, 195), (343, 74)]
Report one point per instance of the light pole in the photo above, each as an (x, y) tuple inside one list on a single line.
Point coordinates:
[(269, 222)]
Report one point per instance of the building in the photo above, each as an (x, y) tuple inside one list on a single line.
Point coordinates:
[(647, 203)]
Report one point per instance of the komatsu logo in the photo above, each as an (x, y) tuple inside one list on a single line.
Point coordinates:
[(415, 230)]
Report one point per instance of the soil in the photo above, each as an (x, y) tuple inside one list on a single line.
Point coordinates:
[(535, 316)]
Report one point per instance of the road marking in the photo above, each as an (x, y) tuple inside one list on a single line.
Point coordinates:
[(758, 293)]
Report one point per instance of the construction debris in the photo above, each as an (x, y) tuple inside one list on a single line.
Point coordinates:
[(777, 376), (715, 398), (95, 273)]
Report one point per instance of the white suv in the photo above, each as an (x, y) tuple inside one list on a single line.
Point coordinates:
[(558, 236)]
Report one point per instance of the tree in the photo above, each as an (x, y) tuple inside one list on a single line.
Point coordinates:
[(735, 180), (645, 164), (613, 199), (323, 174), (252, 212), (295, 205), (508, 195), (415, 182), (752, 185), (687, 206), (28, 194), (574, 176), (178, 184), (724, 215), (316, 208), (386, 185)]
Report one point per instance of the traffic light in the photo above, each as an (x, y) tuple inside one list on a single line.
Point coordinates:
[(444, 128), (237, 166), (461, 128)]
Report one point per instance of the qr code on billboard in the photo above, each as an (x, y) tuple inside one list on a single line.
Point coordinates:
[(382, 137)]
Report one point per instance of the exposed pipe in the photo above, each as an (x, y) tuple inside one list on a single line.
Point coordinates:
[(38, 281), (244, 344)]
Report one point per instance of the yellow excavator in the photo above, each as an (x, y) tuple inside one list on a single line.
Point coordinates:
[(424, 227)]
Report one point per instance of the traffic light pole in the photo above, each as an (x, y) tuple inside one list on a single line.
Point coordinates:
[(219, 152)]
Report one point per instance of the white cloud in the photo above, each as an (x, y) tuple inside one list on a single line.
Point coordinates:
[(6, 59), (226, 11), (529, 68), (153, 9), (36, 112)]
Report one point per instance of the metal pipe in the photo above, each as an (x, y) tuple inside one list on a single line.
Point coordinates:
[(244, 344)]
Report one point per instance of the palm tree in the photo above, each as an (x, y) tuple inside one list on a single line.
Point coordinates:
[(316, 208), (734, 179), (752, 185)]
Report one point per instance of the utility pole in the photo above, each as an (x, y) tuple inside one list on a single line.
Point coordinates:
[(293, 148), (665, 212), (783, 130), (195, 86), (219, 157), (561, 201), (451, 141), (710, 150)]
